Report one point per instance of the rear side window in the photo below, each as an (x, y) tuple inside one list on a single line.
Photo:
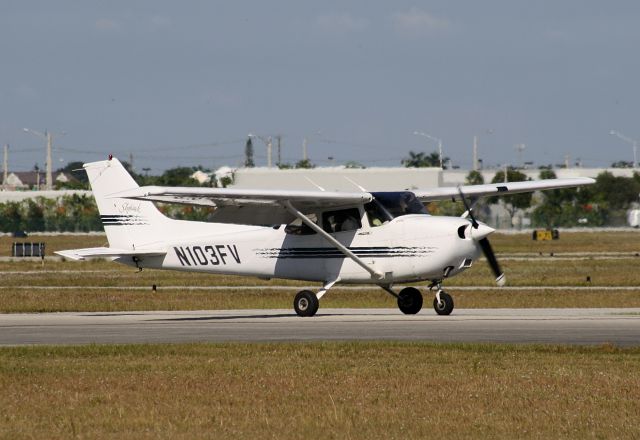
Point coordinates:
[(296, 227), (341, 220)]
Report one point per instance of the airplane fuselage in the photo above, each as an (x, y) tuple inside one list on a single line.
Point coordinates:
[(408, 248)]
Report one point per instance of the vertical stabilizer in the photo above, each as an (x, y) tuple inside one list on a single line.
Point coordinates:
[(129, 224)]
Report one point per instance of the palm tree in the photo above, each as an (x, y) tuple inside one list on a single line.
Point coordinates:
[(422, 160)]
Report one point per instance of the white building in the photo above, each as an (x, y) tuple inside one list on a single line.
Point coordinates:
[(339, 178)]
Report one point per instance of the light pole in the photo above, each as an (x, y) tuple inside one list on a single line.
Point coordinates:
[(268, 142), (435, 139), (475, 160), (48, 137), (5, 166), (316, 137), (627, 139)]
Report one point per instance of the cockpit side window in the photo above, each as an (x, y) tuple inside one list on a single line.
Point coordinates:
[(400, 203), (376, 213), (341, 220)]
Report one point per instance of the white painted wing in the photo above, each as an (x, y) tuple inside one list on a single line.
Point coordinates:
[(238, 197), (244, 206), (499, 189)]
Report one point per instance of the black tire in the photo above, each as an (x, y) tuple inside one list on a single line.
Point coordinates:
[(410, 301), (446, 304), (306, 303)]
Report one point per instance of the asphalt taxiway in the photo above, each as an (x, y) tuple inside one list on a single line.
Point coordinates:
[(552, 326)]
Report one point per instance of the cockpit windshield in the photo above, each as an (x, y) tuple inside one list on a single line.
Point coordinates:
[(399, 203)]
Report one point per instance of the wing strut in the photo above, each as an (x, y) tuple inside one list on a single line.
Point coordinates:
[(374, 273)]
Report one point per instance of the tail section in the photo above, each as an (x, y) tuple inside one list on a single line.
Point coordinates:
[(129, 224)]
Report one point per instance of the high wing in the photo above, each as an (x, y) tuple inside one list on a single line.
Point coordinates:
[(499, 189), (267, 207), (253, 207)]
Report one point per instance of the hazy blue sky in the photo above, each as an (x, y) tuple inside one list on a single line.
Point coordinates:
[(162, 78)]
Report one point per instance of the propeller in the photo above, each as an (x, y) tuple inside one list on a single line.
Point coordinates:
[(487, 250)]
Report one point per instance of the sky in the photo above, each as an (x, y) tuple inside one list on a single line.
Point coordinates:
[(183, 83)]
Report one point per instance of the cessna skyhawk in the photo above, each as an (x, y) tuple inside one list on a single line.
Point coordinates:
[(381, 238)]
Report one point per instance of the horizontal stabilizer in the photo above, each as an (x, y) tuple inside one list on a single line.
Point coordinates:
[(107, 252)]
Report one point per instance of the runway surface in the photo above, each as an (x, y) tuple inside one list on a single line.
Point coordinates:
[(556, 326)]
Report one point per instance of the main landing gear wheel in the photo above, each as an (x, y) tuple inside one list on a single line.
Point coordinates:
[(445, 306), (306, 303), (410, 301)]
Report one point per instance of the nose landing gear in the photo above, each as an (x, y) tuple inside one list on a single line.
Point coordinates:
[(443, 302)]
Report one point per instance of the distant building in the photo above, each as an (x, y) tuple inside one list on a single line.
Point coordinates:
[(201, 177), (30, 180), (385, 179), (338, 178)]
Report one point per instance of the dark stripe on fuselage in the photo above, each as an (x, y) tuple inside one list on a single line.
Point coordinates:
[(377, 252), (123, 220)]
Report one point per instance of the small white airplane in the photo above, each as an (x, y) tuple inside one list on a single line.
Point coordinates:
[(381, 238)]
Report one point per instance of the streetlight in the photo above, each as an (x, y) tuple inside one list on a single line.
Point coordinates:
[(317, 136), (49, 139), (475, 160), (633, 142), (268, 142), (433, 138), (520, 148)]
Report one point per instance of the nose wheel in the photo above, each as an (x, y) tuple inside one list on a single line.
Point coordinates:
[(443, 303)]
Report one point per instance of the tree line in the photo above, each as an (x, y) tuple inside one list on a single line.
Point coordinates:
[(74, 213)]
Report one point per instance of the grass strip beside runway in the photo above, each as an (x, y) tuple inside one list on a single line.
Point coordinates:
[(114, 300), (324, 390)]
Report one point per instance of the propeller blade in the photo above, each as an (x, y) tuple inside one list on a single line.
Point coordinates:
[(469, 210), (493, 262)]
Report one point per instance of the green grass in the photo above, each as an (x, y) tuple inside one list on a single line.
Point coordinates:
[(601, 241), (91, 300), (320, 390), (54, 242)]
